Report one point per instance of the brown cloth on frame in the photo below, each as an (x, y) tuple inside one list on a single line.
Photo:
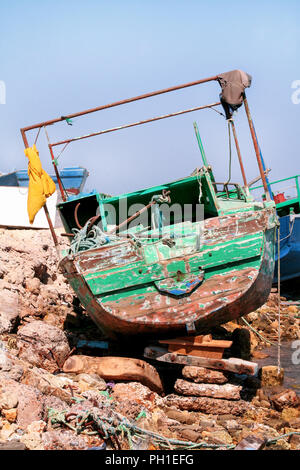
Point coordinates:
[(233, 85)]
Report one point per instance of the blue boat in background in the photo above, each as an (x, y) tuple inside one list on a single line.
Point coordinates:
[(9, 179), (288, 210), (73, 179)]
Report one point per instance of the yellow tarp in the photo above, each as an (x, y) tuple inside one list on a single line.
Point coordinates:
[(41, 185)]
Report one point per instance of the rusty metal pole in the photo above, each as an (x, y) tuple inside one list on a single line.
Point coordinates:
[(45, 205), (239, 156), (134, 216), (133, 124), (63, 195), (118, 103), (256, 147), (60, 185)]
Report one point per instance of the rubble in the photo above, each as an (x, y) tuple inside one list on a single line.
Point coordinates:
[(9, 313), (46, 387), (207, 405), (203, 375), (227, 391), (270, 376), (30, 406), (285, 399), (43, 345)]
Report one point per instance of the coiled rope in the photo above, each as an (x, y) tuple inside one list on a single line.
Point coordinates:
[(86, 239), (109, 427), (117, 424)]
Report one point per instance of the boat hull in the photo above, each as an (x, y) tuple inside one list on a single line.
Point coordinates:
[(237, 256)]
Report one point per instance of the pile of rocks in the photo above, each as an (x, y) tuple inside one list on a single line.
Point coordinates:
[(40, 405), (265, 321), (222, 408), (31, 286), (207, 391)]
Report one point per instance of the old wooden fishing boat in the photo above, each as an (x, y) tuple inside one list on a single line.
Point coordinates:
[(138, 275)]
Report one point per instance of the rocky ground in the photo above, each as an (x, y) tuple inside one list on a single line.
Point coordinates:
[(43, 407)]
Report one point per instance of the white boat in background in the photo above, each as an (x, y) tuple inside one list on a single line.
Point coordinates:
[(13, 212), (14, 192)]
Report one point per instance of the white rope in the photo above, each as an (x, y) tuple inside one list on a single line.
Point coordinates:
[(278, 289), (199, 173), (230, 151), (291, 231)]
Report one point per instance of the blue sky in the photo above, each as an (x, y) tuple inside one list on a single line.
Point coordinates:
[(59, 57)]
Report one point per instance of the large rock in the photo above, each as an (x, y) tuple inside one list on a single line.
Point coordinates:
[(13, 444), (285, 399), (10, 415), (63, 440), (228, 391), (43, 345), (270, 376), (217, 437), (5, 360), (8, 310), (8, 399), (203, 375), (32, 441), (90, 381), (49, 384), (213, 406), (33, 285), (136, 392), (30, 406)]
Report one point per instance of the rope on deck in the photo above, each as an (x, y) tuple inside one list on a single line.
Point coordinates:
[(86, 238)]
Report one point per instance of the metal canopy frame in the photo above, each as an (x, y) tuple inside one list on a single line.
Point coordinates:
[(45, 124)]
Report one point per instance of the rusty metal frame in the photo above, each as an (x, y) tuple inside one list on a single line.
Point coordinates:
[(133, 124), (44, 124), (257, 152)]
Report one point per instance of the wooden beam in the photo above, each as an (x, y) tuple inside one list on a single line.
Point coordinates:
[(235, 365)]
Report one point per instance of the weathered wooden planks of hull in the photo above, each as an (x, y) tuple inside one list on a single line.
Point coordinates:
[(228, 261)]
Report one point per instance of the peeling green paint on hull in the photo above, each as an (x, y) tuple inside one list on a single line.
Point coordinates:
[(119, 283)]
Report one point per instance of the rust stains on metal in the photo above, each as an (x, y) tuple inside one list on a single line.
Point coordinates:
[(118, 103)]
